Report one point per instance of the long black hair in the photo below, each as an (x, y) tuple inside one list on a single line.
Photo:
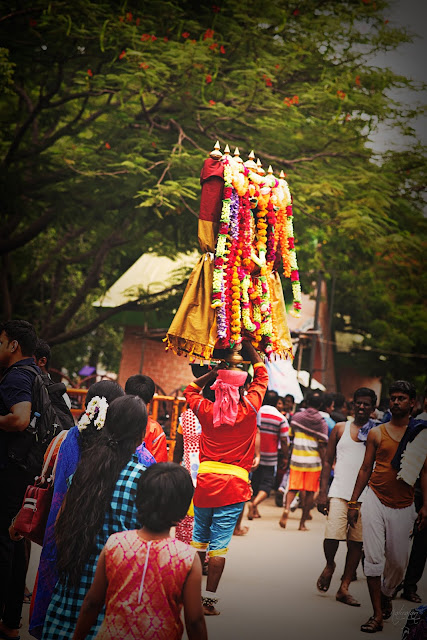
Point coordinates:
[(89, 495), (163, 496), (107, 389)]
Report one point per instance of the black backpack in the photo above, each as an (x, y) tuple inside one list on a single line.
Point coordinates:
[(27, 448), (56, 392)]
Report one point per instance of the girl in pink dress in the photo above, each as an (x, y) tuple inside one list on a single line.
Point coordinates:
[(145, 577)]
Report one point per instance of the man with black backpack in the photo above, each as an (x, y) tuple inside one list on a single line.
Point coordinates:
[(17, 343), (57, 390)]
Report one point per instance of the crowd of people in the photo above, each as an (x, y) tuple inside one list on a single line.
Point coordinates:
[(109, 566)]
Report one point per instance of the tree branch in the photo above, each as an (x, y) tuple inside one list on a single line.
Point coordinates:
[(91, 280), (66, 336), (36, 275), (20, 239), (42, 102)]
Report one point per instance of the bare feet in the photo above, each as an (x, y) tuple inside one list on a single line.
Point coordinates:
[(210, 610), (325, 578), (302, 527), (284, 519), (250, 511), (347, 598), (256, 513), (241, 531)]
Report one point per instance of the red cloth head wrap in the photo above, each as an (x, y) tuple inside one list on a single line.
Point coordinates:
[(227, 396)]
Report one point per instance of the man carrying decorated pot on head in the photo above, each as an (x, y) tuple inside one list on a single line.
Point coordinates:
[(227, 447)]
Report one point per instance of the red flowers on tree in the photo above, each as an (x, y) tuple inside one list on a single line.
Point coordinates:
[(290, 101), (209, 33), (185, 34), (208, 79), (222, 49), (341, 94), (122, 55)]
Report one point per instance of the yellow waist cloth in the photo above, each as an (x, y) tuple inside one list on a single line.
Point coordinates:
[(222, 467)]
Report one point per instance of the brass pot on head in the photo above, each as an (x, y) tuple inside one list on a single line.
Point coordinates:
[(234, 358)]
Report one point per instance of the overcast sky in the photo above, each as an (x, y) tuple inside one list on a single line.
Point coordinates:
[(409, 60)]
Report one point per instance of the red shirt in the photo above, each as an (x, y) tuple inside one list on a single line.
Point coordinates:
[(230, 444), (155, 440)]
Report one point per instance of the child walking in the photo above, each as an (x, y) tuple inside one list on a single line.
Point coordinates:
[(145, 577)]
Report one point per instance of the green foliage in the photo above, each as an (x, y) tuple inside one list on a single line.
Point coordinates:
[(112, 107)]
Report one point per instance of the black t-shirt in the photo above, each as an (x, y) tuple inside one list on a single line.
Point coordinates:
[(15, 386)]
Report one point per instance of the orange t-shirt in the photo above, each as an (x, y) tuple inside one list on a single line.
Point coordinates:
[(229, 444), (155, 440)]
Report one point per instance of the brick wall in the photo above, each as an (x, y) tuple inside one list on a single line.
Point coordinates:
[(148, 356)]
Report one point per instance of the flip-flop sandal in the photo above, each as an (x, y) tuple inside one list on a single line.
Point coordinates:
[(372, 626), (348, 599), (412, 596), (27, 598), (324, 582)]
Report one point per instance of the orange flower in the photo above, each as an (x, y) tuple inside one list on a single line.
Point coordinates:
[(122, 55), (107, 145), (357, 81), (209, 33), (348, 117), (212, 102), (222, 49), (90, 72), (145, 37), (215, 8), (295, 12), (144, 65), (153, 144), (129, 16), (341, 94), (165, 39), (268, 82), (213, 45), (121, 18), (137, 21), (386, 21), (208, 79), (277, 66), (153, 38), (295, 100), (185, 34)]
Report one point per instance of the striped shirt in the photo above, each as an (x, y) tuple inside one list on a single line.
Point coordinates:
[(305, 453), (273, 427)]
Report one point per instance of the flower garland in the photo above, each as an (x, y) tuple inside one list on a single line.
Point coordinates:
[(256, 222), (296, 285), (96, 412)]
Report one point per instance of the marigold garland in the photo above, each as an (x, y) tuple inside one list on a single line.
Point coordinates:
[(256, 225)]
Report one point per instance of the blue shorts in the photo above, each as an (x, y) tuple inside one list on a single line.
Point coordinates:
[(214, 526)]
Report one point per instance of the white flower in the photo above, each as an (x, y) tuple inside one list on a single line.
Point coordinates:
[(96, 412)]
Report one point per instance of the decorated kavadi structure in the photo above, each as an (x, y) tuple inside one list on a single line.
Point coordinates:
[(246, 236)]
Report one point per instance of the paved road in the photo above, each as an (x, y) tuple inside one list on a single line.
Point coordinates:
[(268, 590)]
